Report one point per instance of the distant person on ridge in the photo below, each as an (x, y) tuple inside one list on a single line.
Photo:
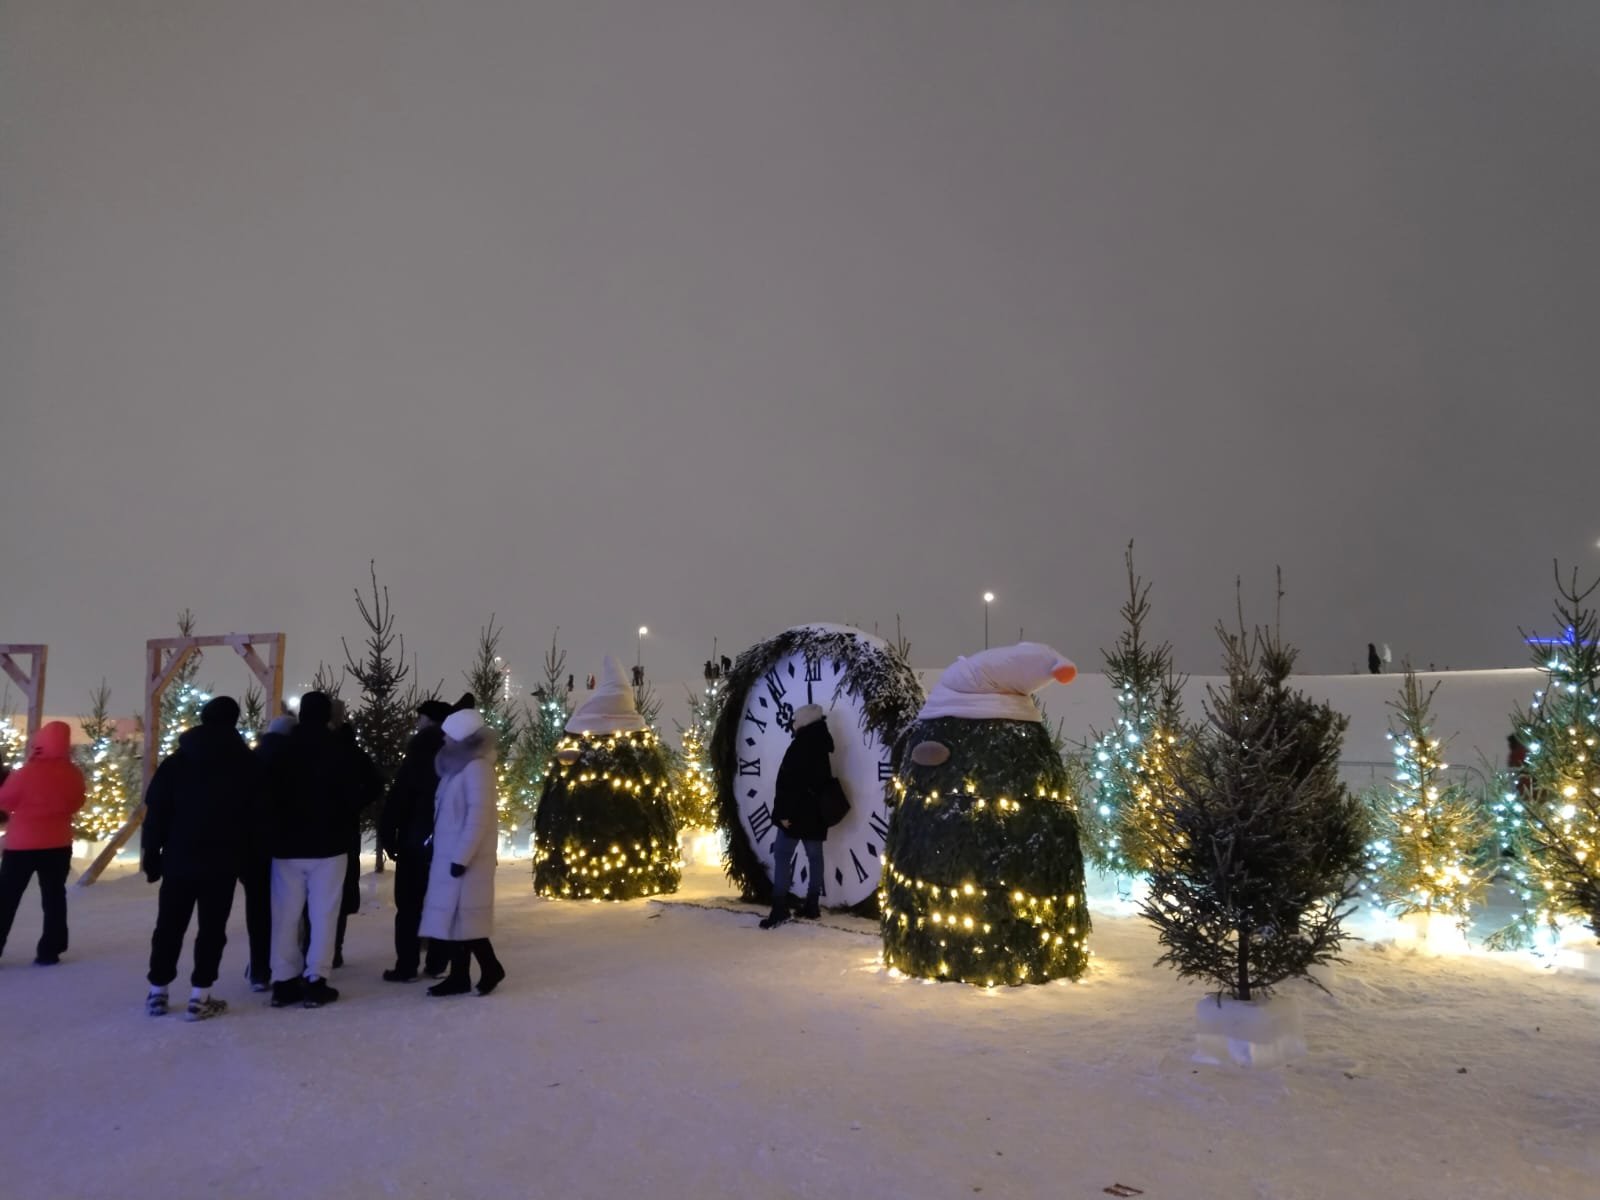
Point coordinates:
[(318, 784), (405, 833), (1374, 661), (199, 809), (797, 813), (39, 799), (459, 906)]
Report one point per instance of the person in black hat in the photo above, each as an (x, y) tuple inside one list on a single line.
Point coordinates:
[(198, 812), (405, 834)]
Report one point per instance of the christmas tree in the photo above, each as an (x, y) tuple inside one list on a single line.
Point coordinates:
[(1256, 882), (604, 828), (182, 701), (489, 679), (540, 730), (1432, 845), (13, 742), (252, 714), (697, 784), (1132, 767), (1561, 730), (982, 871), (383, 720), (110, 769)]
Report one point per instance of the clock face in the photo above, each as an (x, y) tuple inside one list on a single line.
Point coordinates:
[(853, 854)]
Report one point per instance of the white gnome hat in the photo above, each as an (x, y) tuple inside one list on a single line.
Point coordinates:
[(998, 684), (610, 707)]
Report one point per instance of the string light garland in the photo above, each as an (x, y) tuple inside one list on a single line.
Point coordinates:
[(982, 872), (13, 743), (604, 828)]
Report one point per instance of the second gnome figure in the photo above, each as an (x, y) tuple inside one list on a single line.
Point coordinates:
[(605, 828), (982, 871)]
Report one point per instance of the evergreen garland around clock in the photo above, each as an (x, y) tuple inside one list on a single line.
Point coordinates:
[(878, 677), (983, 872), (604, 828)]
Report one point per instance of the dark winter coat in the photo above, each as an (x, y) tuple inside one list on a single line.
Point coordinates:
[(801, 777), (407, 821), (200, 805), (319, 782)]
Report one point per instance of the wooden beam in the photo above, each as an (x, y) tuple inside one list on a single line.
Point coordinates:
[(30, 681)]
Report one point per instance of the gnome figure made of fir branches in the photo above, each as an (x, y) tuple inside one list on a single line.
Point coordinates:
[(982, 871), (605, 828)]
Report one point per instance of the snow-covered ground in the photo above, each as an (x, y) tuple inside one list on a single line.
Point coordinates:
[(672, 1049)]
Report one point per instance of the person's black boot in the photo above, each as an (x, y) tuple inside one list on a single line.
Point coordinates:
[(400, 975), (811, 911), (778, 915), (490, 972), (458, 982), (288, 991)]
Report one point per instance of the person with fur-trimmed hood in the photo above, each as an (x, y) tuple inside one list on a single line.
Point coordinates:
[(797, 812), (198, 815), (459, 906), (405, 834)]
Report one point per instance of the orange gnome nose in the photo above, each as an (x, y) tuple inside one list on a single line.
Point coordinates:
[(1065, 673)]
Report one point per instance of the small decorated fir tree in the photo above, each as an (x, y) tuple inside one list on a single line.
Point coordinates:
[(110, 769), (1432, 845), (383, 721), (1133, 765), (1561, 730), (697, 783), (1257, 882), (982, 871), (182, 701), (490, 682), (604, 828)]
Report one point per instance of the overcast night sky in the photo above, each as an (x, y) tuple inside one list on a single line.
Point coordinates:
[(720, 316)]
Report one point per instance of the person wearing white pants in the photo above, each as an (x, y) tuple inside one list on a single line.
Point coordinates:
[(314, 886), (318, 781)]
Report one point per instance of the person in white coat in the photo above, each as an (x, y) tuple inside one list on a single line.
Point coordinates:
[(459, 908)]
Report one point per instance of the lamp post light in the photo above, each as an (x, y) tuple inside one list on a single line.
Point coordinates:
[(639, 659), (988, 599)]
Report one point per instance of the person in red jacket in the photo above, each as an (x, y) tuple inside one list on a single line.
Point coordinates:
[(39, 799)]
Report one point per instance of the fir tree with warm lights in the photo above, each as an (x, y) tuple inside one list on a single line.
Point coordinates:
[(1268, 842), (543, 726), (696, 792), (110, 770), (604, 828), (489, 680), (1561, 730), (1432, 847), (182, 701), (982, 869), (13, 743), (1132, 766)]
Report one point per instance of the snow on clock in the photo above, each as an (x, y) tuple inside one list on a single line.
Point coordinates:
[(869, 695)]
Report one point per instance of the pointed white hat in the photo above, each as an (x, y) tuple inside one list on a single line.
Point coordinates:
[(997, 684), (610, 708)]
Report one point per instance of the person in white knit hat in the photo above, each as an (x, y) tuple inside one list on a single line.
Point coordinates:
[(459, 905)]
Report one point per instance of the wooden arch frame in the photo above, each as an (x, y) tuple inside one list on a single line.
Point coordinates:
[(30, 681), (164, 657)]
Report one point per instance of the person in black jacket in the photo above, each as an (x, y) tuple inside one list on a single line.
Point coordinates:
[(318, 784), (196, 830), (405, 833), (256, 873), (797, 812)]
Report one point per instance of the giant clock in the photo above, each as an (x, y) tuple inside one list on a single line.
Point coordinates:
[(869, 696)]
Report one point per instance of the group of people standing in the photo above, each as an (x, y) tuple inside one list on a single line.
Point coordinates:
[(283, 820)]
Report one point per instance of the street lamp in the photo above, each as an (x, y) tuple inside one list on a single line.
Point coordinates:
[(988, 599), (639, 660)]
